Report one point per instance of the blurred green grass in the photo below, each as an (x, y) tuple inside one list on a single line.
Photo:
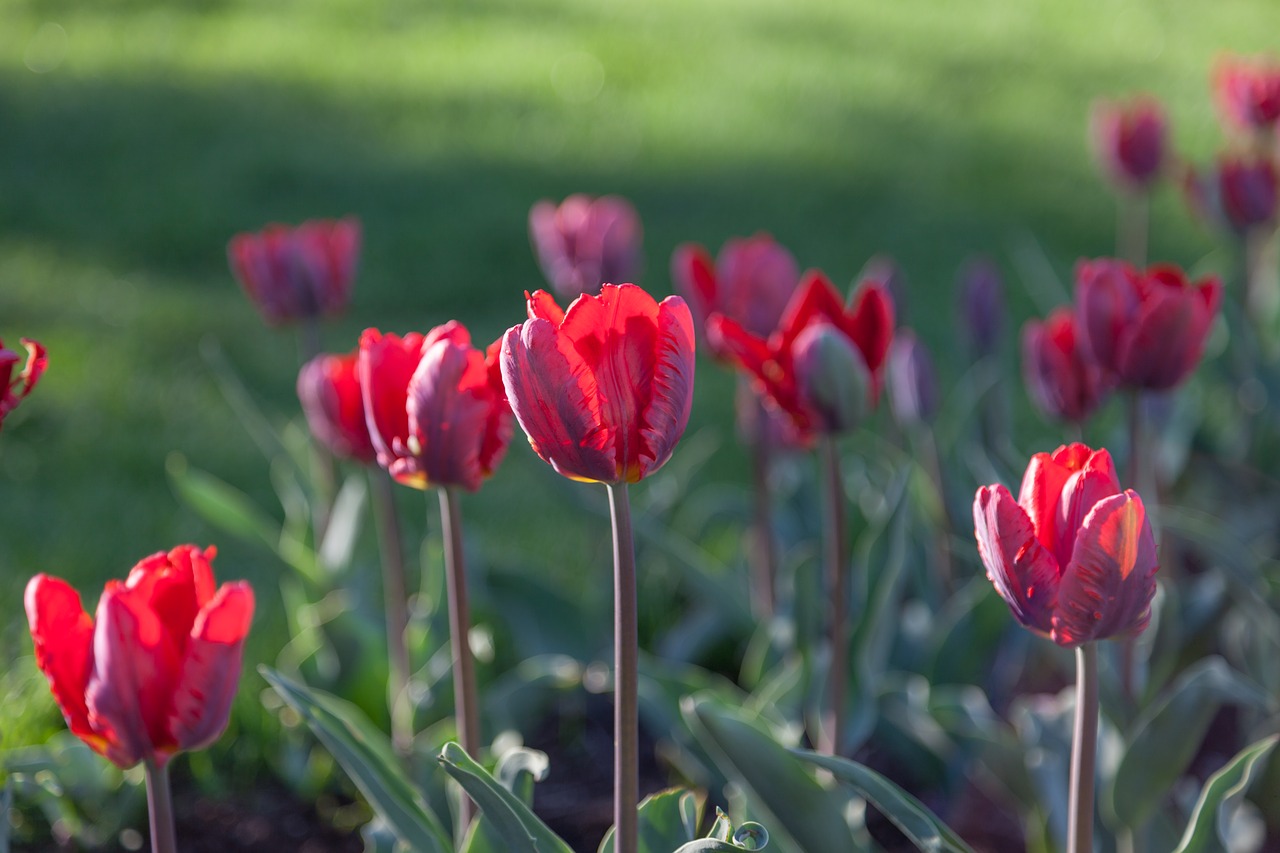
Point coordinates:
[(148, 133)]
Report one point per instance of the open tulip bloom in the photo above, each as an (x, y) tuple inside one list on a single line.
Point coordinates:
[(584, 242), (14, 389), (1248, 92), (155, 672), (1061, 377), (329, 391)]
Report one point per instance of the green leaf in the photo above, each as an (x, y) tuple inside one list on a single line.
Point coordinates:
[(1221, 795), (365, 753), (664, 822), (803, 811), (519, 769), (519, 828), (222, 505), (1167, 736), (925, 829)]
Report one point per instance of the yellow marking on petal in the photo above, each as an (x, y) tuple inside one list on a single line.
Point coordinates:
[(1130, 534)]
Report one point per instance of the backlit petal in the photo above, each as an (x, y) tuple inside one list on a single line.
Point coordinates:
[(1023, 572), (663, 421), (870, 325), (386, 365), (1041, 488), (62, 633), (447, 414), (210, 670)]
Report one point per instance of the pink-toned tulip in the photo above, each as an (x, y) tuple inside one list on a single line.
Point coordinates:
[(602, 390), (1148, 328), (585, 242), (1130, 140), (15, 388), (154, 674), (297, 272), (1248, 91), (1074, 557), (1062, 379), (329, 390), (434, 406), (750, 282)]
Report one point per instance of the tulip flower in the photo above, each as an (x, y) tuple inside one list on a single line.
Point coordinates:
[(329, 390), (1146, 328), (1246, 192), (585, 242), (1063, 380), (913, 383), (1130, 140), (14, 389), (1248, 91), (981, 305), (297, 272)]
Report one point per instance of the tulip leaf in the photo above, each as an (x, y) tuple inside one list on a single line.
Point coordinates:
[(220, 504), (365, 753), (925, 829), (517, 825), (519, 769), (667, 820), (1166, 737), (1221, 795), (804, 813)]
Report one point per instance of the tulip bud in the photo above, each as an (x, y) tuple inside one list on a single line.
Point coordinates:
[(1129, 140), (885, 270), (585, 242), (1248, 91), (913, 384), (982, 305), (1247, 191), (1061, 379), (832, 379), (297, 272)]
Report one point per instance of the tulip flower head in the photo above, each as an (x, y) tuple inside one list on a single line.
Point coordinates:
[(602, 390), (1148, 328), (329, 390), (297, 272), (584, 242), (155, 672), (15, 388), (1074, 557), (1062, 379), (1130, 140), (1248, 91), (982, 305), (434, 406), (912, 380), (823, 364)]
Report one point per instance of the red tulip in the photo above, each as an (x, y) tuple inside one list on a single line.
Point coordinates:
[(1130, 140), (1248, 91), (1247, 191), (155, 673), (794, 363), (329, 390), (14, 389), (1074, 557), (1147, 328), (604, 389), (1063, 380), (434, 406), (300, 272), (585, 242), (750, 282)]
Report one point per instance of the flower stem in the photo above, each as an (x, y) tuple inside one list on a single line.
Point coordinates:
[(1084, 750), (322, 473), (1131, 227), (464, 674), (626, 724), (837, 591), (160, 809), (395, 591), (763, 556)]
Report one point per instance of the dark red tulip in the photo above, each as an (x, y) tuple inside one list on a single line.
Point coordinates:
[(585, 242), (1146, 328), (15, 388), (155, 673), (1074, 557), (1248, 91), (434, 406), (750, 282), (297, 272), (794, 363), (1130, 140), (1247, 191), (602, 390), (912, 381), (1062, 379), (329, 390)]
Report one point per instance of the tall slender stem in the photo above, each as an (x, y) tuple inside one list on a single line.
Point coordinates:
[(764, 554), (464, 674), (626, 722), (1133, 213), (160, 809), (837, 592), (322, 472), (395, 591), (1084, 751)]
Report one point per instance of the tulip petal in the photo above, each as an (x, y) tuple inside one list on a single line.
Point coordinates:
[(1108, 586), (870, 325), (694, 275), (1164, 342), (816, 297), (1041, 488), (663, 421), (447, 416), (62, 633), (1083, 490), (544, 305), (1022, 570), (210, 671), (498, 427), (386, 364)]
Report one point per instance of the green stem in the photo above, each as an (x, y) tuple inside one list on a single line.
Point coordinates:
[(1084, 751), (1132, 226), (836, 589), (464, 677), (626, 723), (160, 809), (763, 556), (395, 592)]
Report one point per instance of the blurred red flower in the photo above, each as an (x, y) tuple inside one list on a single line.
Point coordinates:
[(1248, 91), (585, 242), (1062, 379), (1074, 557), (329, 390), (297, 272), (602, 390), (156, 671), (1130, 140), (434, 406), (1246, 191), (14, 389)]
